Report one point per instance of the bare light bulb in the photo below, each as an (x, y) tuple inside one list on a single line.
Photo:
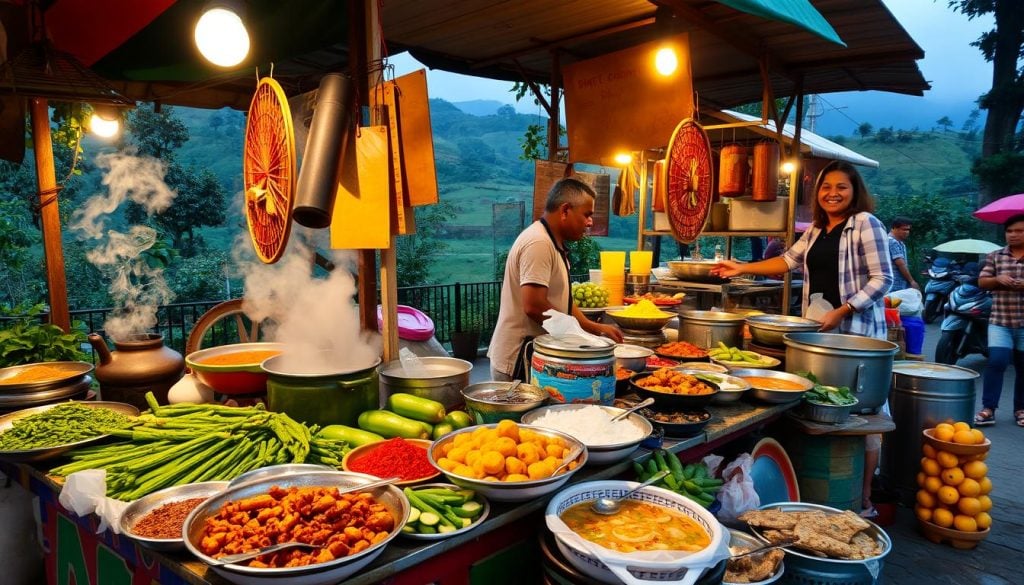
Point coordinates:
[(788, 167), (104, 127), (623, 158), (666, 61), (221, 37)]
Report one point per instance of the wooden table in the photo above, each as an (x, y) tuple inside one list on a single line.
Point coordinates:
[(74, 547)]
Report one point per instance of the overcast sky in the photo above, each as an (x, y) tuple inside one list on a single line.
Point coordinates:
[(957, 71)]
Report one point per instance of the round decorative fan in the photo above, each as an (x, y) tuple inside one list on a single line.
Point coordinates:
[(269, 170), (688, 180)]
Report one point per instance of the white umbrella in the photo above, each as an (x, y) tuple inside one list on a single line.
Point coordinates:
[(967, 247)]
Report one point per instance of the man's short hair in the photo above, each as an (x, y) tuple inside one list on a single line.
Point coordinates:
[(568, 190), (1017, 218), (901, 222)]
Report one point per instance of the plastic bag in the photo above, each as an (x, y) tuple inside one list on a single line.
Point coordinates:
[(737, 494), (911, 302), (560, 324), (817, 306), (84, 492)]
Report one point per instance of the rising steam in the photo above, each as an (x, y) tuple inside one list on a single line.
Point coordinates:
[(317, 318), (137, 288)]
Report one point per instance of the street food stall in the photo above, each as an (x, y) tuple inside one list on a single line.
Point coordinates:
[(505, 475)]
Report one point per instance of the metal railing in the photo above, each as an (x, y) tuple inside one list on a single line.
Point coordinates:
[(453, 307)]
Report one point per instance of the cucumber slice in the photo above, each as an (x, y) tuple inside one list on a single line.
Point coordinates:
[(427, 529), (429, 519), (445, 528), (470, 509), (414, 514), (409, 529)]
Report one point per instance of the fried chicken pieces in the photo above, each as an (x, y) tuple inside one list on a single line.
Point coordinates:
[(838, 536)]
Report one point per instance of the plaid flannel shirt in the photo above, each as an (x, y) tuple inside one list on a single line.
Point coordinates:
[(865, 272), (1007, 305)]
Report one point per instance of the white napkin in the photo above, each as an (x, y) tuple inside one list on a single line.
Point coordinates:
[(84, 493), (560, 324)]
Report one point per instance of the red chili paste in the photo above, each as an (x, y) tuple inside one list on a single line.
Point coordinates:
[(395, 457)]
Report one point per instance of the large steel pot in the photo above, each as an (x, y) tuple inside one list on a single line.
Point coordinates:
[(863, 364), (440, 378), (707, 328), (769, 329), (321, 397), (923, 395)]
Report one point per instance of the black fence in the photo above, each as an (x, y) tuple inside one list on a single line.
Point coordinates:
[(452, 307)]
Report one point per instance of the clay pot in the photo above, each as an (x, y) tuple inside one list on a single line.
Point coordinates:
[(139, 365)]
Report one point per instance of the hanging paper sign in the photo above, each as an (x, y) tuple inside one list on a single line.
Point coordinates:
[(547, 173)]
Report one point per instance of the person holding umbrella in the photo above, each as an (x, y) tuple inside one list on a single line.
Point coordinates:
[(1003, 274)]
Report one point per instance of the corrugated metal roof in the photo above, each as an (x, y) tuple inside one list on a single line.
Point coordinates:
[(810, 144)]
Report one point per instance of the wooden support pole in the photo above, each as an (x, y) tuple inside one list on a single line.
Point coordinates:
[(50, 216)]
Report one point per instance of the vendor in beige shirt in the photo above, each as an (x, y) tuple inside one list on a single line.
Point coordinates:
[(537, 278)]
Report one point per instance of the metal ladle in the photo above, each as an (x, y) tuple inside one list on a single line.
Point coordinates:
[(622, 415), (609, 506)]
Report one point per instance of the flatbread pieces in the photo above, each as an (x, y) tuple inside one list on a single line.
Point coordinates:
[(837, 536)]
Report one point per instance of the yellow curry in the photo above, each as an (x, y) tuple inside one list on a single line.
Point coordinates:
[(239, 358), (773, 383), (638, 526)]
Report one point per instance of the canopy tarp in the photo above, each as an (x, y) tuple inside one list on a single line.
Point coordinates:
[(796, 12)]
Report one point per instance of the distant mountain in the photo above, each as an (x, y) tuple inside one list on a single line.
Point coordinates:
[(842, 113), (479, 107)]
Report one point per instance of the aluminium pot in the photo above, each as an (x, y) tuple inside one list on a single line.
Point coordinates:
[(862, 364), (441, 379), (707, 328), (321, 397), (768, 329), (695, 270)]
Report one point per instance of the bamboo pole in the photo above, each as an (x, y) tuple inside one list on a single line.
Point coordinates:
[(50, 215)]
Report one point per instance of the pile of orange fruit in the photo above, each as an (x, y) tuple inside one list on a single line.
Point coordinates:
[(954, 488)]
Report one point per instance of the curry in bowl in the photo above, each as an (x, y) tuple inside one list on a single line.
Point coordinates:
[(774, 383), (637, 527)]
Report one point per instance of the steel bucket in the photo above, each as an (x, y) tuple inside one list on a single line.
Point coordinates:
[(923, 395), (862, 364)]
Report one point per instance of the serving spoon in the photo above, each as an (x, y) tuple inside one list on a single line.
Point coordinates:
[(761, 549), (622, 415), (608, 506)]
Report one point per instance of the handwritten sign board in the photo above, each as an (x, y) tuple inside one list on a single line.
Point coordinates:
[(619, 102), (547, 173)]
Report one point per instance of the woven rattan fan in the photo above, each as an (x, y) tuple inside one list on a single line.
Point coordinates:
[(269, 170), (688, 180)]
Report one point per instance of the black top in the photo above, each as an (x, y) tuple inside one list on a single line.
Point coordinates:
[(823, 265)]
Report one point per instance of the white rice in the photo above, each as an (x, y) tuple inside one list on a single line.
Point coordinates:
[(592, 425)]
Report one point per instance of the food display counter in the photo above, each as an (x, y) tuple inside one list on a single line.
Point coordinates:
[(763, 295), (76, 553)]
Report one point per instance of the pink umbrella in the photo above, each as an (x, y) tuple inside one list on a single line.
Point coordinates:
[(1002, 209)]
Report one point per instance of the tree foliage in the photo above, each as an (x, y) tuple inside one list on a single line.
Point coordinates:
[(156, 134), (1003, 46), (417, 253)]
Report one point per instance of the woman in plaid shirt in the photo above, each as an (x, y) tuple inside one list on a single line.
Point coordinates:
[(844, 255)]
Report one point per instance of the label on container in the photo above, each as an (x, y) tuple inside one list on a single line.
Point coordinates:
[(574, 382)]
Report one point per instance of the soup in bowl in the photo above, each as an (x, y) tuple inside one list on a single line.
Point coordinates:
[(234, 368)]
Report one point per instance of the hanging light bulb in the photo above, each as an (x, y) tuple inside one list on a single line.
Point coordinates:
[(623, 158), (788, 167), (666, 61), (221, 35), (105, 122)]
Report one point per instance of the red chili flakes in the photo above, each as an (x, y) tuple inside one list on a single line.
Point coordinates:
[(167, 520)]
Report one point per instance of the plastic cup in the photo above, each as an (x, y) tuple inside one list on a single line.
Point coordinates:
[(613, 263), (640, 261)]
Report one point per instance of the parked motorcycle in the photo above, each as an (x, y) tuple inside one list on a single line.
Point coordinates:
[(965, 327), (941, 282)]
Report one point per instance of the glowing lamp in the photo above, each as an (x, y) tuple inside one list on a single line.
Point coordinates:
[(623, 158), (221, 36), (666, 61), (104, 122), (788, 167)]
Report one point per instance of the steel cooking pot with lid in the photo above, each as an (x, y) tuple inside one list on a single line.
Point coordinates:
[(707, 328), (862, 364)]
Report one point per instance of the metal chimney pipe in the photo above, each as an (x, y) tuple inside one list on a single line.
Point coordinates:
[(325, 149)]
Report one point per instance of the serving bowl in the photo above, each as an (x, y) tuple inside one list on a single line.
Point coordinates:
[(443, 535), (703, 367), (682, 429), (318, 574), (632, 357), (352, 458), (609, 566), (955, 448), (598, 453), (739, 542), (243, 377), (694, 270), (828, 570), (769, 329), (825, 413), (666, 401), (489, 402), (764, 361), (958, 539), (141, 507), (509, 491), (770, 395), (277, 471), (730, 388), (652, 323)]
